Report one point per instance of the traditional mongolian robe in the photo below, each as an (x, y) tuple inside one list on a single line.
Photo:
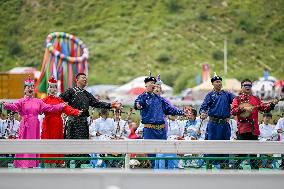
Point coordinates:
[(29, 109), (52, 126), (77, 127)]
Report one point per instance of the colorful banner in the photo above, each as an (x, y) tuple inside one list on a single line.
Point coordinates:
[(65, 56)]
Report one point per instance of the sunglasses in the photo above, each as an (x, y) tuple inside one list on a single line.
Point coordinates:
[(247, 86)]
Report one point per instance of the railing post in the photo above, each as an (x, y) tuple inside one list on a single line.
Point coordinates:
[(42, 163), (126, 162)]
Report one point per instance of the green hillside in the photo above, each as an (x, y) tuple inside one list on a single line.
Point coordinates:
[(174, 37)]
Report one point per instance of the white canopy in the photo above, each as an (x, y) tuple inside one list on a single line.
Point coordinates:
[(138, 83)]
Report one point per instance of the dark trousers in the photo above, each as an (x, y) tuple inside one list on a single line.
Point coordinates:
[(248, 136), (218, 131), (76, 128), (153, 134)]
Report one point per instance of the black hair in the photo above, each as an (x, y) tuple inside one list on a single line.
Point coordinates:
[(245, 80), (267, 115), (194, 112), (78, 75)]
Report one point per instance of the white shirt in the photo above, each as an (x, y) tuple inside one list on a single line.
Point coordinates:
[(13, 124), (175, 129), (266, 131), (40, 119), (194, 126), (139, 130), (279, 125), (2, 130), (105, 127), (89, 120), (234, 129), (123, 126)]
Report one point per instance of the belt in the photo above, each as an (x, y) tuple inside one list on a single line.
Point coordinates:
[(218, 120), (152, 126)]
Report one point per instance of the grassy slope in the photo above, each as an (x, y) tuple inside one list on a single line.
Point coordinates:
[(174, 38)]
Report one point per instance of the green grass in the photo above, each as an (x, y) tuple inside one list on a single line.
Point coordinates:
[(174, 37)]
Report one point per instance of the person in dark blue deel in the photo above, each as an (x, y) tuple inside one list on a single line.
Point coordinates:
[(153, 109), (216, 105)]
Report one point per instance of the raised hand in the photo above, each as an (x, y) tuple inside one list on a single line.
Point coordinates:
[(116, 105), (80, 112), (203, 115), (138, 105)]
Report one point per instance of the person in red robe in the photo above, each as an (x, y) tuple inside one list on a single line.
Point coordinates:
[(52, 125), (248, 128)]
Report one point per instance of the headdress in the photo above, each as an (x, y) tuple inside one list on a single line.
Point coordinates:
[(215, 78), (29, 81)]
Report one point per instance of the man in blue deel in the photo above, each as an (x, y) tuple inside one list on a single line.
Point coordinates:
[(216, 105), (153, 109)]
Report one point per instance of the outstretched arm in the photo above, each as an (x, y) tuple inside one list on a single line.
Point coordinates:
[(96, 103), (51, 108), (16, 106), (265, 107), (171, 110), (66, 96)]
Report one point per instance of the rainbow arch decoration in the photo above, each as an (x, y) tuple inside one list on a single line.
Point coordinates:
[(65, 56)]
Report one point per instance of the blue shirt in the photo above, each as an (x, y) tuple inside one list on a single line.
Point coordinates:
[(154, 108), (217, 103)]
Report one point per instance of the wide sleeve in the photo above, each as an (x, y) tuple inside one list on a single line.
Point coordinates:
[(265, 107), (16, 106), (206, 104), (50, 108), (68, 110), (67, 95), (231, 97), (141, 101), (96, 103), (171, 110), (235, 110)]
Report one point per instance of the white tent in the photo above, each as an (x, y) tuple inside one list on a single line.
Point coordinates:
[(230, 84), (139, 83), (263, 89), (101, 89), (128, 92), (18, 70)]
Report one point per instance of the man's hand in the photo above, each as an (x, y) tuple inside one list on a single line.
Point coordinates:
[(203, 115), (80, 112), (116, 105), (65, 104), (275, 101), (138, 105)]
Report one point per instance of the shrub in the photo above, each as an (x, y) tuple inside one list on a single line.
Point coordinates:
[(217, 55)]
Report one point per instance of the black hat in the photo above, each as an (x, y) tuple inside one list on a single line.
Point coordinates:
[(215, 78), (150, 78)]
